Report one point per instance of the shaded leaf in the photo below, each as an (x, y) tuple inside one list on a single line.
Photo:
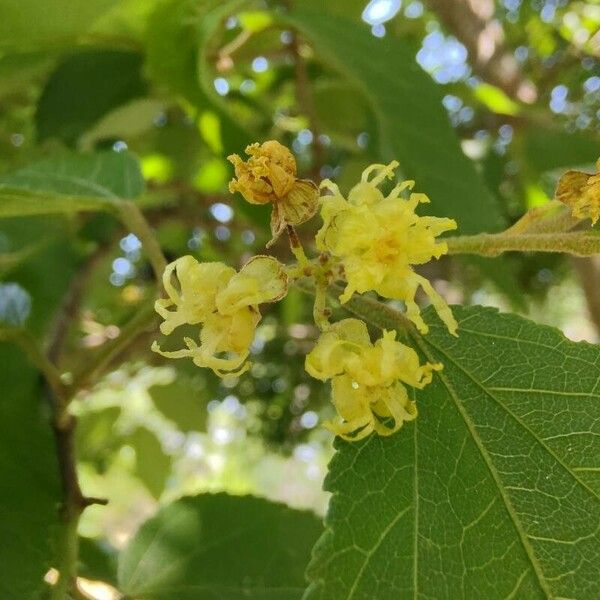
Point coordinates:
[(152, 465), (97, 561), (491, 492), (84, 88), (220, 547), (29, 474), (182, 402)]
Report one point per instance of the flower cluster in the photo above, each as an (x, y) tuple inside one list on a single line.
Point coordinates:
[(379, 238), (367, 379), (581, 191), (224, 302), (269, 176), (370, 240)]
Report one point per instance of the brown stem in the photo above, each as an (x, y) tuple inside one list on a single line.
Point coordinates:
[(307, 104), (588, 270)]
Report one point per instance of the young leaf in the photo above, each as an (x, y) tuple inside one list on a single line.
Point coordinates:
[(220, 546), (413, 126), (491, 492), (70, 183)]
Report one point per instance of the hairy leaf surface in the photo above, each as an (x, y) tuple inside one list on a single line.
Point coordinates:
[(491, 492)]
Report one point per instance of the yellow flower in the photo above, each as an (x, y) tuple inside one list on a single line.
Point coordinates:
[(581, 191), (224, 302), (379, 238), (269, 175), (367, 379)]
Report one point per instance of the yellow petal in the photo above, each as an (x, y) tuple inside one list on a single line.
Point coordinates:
[(261, 279)]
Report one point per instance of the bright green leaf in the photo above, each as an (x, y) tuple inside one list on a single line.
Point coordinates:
[(495, 99), (70, 183), (220, 547), (491, 492), (413, 125)]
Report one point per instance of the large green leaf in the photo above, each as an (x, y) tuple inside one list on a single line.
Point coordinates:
[(70, 183), (413, 125), (220, 547), (491, 492), (84, 88)]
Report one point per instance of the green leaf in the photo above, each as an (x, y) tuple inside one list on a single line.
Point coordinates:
[(222, 547), (152, 465), (70, 183), (491, 492), (495, 99), (29, 475), (84, 88), (182, 401), (548, 149), (97, 561), (38, 24), (413, 126)]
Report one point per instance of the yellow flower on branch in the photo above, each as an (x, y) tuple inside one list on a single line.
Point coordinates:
[(368, 380), (224, 302), (269, 176), (379, 238), (581, 191)]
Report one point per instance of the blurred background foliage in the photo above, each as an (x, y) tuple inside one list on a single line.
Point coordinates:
[(484, 103)]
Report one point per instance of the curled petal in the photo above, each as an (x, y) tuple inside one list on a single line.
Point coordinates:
[(195, 296), (261, 279)]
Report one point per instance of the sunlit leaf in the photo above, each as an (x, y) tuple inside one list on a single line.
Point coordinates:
[(491, 492)]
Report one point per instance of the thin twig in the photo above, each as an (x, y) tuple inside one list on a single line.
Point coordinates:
[(133, 218)]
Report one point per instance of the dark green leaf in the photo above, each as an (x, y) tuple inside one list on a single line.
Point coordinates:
[(413, 125), (490, 492), (553, 148), (84, 88), (29, 474), (97, 561), (220, 547), (70, 183)]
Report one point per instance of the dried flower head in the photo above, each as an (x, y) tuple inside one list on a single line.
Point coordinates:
[(379, 239), (269, 176), (368, 380), (581, 191), (224, 302)]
